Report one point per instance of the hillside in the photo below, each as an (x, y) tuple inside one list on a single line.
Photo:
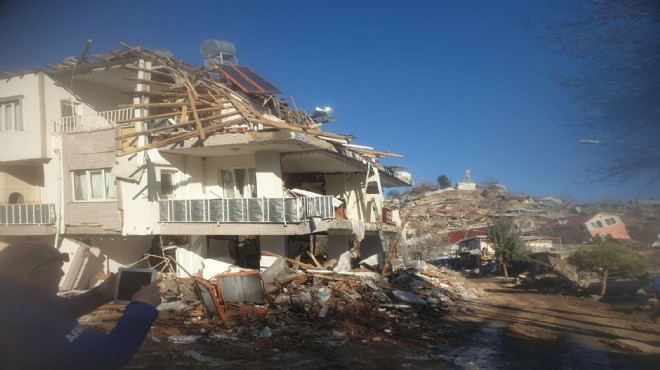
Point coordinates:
[(436, 216)]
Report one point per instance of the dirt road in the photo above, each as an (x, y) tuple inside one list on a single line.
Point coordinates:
[(515, 329), (506, 329)]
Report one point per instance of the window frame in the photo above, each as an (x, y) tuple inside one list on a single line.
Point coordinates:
[(17, 118), (70, 106), (91, 187), (248, 190), (174, 180)]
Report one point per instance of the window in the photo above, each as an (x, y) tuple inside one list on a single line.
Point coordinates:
[(94, 185), (239, 183), (168, 184), (11, 118), (600, 224), (71, 108)]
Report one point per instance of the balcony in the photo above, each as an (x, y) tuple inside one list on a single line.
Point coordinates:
[(27, 214), (90, 122), (246, 210)]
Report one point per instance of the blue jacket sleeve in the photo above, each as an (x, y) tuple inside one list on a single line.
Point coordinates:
[(70, 346), (84, 303)]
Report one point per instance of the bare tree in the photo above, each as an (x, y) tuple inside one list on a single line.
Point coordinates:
[(617, 43)]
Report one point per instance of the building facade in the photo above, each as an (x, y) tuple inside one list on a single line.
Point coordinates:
[(135, 152)]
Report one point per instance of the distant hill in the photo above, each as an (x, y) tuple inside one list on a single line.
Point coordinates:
[(434, 215)]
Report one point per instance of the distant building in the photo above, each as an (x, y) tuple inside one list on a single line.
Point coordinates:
[(586, 228)]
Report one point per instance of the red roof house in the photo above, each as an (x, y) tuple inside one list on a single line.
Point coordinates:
[(586, 228)]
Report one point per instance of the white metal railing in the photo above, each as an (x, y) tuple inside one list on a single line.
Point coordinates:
[(267, 210), (27, 214), (89, 122)]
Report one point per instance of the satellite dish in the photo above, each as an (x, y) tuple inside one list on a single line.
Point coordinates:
[(217, 52), (322, 115)]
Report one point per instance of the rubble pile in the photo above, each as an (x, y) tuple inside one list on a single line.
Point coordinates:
[(309, 303)]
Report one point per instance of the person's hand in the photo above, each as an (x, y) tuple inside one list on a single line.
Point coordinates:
[(107, 288), (149, 294)]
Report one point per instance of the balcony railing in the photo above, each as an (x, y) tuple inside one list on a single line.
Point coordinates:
[(90, 122), (267, 210), (27, 214)]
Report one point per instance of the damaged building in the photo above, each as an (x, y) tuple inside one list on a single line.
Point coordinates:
[(115, 156)]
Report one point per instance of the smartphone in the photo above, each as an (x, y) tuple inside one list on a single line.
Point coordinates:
[(130, 280)]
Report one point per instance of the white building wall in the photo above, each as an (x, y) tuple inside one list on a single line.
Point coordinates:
[(25, 144), (23, 179), (136, 200), (120, 251), (349, 187), (269, 175), (95, 98), (270, 184), (336, 185)]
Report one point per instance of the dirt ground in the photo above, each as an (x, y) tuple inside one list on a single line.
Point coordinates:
[(505, 329), (516, 328)]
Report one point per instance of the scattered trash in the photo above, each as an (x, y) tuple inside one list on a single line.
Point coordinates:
[(183, 339)]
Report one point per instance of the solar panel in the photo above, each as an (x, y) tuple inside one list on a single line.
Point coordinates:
[(252, 75), (247, 80)]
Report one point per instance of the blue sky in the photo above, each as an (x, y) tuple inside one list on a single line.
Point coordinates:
[(450, 85)]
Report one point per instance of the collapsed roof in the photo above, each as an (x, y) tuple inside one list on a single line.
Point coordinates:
[(178, 102)]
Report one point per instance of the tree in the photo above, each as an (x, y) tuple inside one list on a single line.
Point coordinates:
[(444, 181), (507, 243), (617, 45), (607, 258)]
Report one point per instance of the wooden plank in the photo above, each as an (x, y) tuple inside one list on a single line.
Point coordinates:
[(329, 277), (292, 127), (184, 114), (172, 94), (290, 279), (157, 129), (164, 115), (301, 264), (124, 144), (366, 151), (135, 68), (239, 106), (156, 105), (181, 137), (368, 266), (330, 264), (149, 81), (316, 262), (193, 101)]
